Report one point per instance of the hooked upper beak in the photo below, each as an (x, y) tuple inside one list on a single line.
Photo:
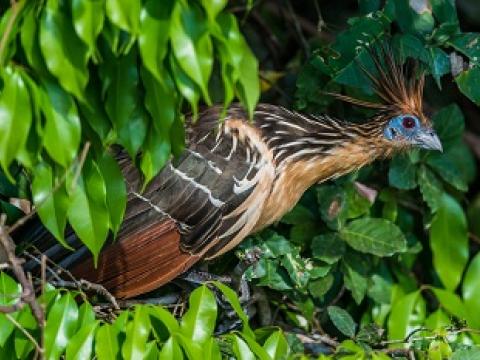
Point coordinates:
[(428, 139)]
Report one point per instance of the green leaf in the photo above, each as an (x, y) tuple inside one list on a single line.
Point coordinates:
[(88, 213), (154, 34), (29, 40), (439, 64), (198, 322), (163, 322), (10, 293), (402, 173), (135, 345), (450, 302), (298, 215), (402, 316), (116, 190), (65, 54), (319, 287), (414, 17), (23, 345), (60, 327), (375, 236), (213, 7), (449, 242), (171, 350), (430, 187), (328, 247), (120, 75), (445, 165), (467, 83), (241, 349), (15, 116), (192, 45), (467, 43), (51, 205), (276, 346), (471, 353), (88, 17), (355, 275), (449, 124), (61, 136), (471, 292), (248, 83), (185, 85), (235, 304), (80, 346), (107, 343), (86, 315), (125, 14), (342, 320)]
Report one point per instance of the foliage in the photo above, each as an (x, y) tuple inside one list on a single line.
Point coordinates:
[(142, 332), (104, 72), (394, 235), (381, 258)]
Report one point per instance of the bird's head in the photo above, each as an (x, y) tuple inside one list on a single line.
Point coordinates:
[(407, 130), (400, 121)]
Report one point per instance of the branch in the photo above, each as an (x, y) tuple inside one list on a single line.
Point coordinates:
[(28, 293)]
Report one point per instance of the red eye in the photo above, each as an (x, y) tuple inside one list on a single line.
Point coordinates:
[(408, 122)]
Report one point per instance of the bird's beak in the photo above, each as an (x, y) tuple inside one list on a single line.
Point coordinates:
[(428, 139)]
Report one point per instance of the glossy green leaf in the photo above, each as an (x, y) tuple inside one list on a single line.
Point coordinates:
[(328, 247), (276, 345), (402, 173), (375, 236), (449, 124), (163, 322), (29, 40), (137, 331), (80, 345), (471, 353), (241, 349), (116, 190), (15, 116), (355, 268), (51, 205), (171, 350), (60, 327), (88, 17), (402, 316), (467, 81), (449, 242), (154, 35), (185, 85), (88, 213), (65, 54), (86, 315), (125, 14), (192, 349), (248, 84), (471, 292), (451, 302), (62, 132), (192, 45), (213, 7), (430, 187), (439, 64), (23, 345), (198, 322), (107, 343), (342, 320), (235, 304), (10, 293)]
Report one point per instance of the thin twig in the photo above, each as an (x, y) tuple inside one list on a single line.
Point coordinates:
[(25, 332), (28, 293)]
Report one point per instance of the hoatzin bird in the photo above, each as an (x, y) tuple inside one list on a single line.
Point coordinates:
[(237, 176)]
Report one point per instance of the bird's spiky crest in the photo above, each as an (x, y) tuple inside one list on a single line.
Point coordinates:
[(399, 86)]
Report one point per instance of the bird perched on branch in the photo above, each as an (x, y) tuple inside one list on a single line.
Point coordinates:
[(238, 176)]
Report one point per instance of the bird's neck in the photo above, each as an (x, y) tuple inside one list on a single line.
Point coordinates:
[(316, 154)]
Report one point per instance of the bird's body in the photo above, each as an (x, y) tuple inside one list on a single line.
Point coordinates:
[(237, 176)]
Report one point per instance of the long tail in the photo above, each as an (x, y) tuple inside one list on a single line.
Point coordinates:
[(139, 263), (144, 259)]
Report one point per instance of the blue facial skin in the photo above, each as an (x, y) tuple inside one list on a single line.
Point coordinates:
[(407, 128), (396, 128)]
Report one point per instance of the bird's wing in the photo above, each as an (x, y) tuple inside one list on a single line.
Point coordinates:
[(200, 205)]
